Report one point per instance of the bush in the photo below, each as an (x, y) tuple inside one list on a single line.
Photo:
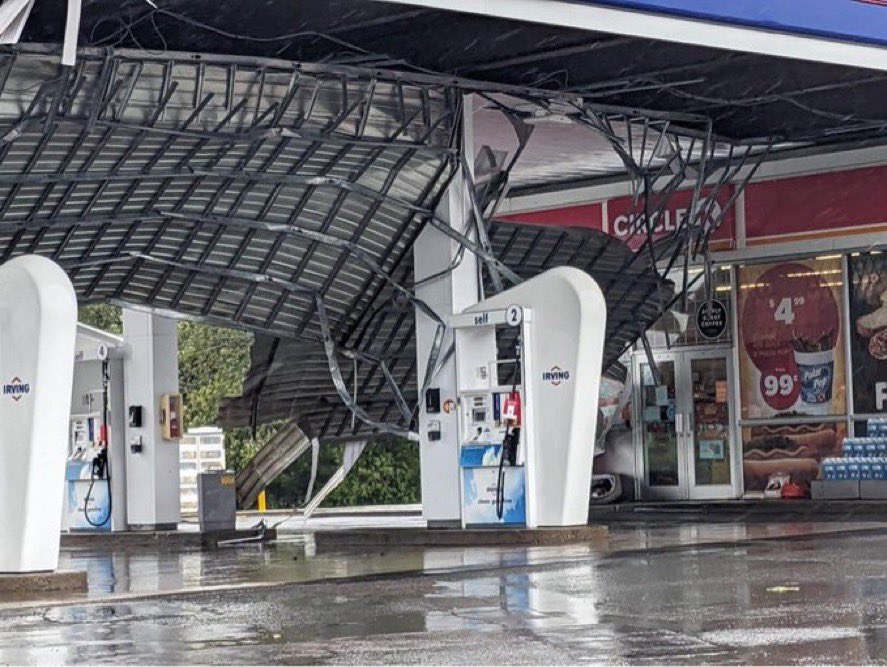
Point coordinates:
[(387, 473)]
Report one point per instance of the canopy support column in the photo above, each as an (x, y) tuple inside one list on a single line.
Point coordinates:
[(152, 463), (448, 280)]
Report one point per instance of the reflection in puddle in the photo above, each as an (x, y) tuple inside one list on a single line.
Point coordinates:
[(700, 606), (151, 571), (292, 559), (535, 600)]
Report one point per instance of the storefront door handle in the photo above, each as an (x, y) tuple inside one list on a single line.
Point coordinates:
[(680, 421)]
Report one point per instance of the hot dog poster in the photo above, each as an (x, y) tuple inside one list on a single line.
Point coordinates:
[(793, 449), (791, 346), (868, 336)]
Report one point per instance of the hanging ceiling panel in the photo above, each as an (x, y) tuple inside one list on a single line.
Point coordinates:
[(235, 191), (291, 379)]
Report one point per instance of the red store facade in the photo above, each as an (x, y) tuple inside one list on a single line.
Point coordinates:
[(801, 267)]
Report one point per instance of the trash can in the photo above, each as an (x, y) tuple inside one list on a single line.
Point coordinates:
[(216, 501)]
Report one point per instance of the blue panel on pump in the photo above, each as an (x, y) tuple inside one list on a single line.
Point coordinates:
[(475, 456), (860, 21), (479, 487)]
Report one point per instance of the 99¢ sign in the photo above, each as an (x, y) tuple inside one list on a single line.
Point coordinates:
[(789, 324)]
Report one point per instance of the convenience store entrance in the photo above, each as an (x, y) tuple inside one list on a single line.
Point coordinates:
[(685, 426)]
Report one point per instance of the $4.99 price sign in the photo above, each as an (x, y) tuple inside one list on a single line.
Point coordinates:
[(789, 316)]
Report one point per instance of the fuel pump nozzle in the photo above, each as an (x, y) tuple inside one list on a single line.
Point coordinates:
[(511, 411), (100, 463)]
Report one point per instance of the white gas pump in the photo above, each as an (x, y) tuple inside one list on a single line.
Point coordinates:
[(38, 320), (89, 497), (543, 421)]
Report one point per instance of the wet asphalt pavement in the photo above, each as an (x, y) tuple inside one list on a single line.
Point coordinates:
[(821, 600)]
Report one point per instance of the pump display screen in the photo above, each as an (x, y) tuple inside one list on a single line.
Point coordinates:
[(483, 419)]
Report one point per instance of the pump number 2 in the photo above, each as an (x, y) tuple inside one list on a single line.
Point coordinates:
[(514, 315)]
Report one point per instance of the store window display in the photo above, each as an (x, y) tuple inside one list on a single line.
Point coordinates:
[(868, 335), (791, 366)]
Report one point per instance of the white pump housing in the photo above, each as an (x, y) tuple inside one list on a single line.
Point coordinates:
[(38, 327), (563, 326)]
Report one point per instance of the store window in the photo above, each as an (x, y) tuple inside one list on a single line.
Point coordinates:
[(868, 332), (791, 365), (677, 328), (791, 339)]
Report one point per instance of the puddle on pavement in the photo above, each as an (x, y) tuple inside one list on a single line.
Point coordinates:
[(293, 558), (691, 607), (289, 560)]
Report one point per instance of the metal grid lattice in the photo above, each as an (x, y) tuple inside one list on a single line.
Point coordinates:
[(290, 379), (235, 192), (285, 198)]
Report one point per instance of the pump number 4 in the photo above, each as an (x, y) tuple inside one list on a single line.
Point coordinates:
[(514, 315)]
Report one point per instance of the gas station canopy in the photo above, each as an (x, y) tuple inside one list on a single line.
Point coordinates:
[(757, 68)]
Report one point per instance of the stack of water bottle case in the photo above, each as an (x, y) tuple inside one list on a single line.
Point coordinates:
[(862, 470)]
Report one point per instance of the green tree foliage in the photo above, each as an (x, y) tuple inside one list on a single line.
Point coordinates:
[(102, 316), (212, 365), (386, 473)]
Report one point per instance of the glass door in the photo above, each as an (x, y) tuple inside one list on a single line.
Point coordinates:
[(684, 426), (708, 434), (658, 428)]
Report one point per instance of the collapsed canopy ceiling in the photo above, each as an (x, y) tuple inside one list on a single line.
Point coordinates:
[(290, 379), (271, 169), (241, 193), (746, 95), (280, 197)]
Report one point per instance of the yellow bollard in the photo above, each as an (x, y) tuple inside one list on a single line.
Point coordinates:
[(262, 502)]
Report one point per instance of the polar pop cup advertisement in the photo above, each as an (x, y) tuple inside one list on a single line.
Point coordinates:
[(791, 365), (791, 344)]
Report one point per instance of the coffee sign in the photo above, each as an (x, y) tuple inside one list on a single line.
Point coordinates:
[(711, 319)]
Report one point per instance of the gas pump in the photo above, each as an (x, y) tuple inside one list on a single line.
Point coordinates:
[(526, 445), (493, 452), (89, 498), (101, 467)]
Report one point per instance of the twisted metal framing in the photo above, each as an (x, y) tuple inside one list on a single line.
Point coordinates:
[(284, 198)]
